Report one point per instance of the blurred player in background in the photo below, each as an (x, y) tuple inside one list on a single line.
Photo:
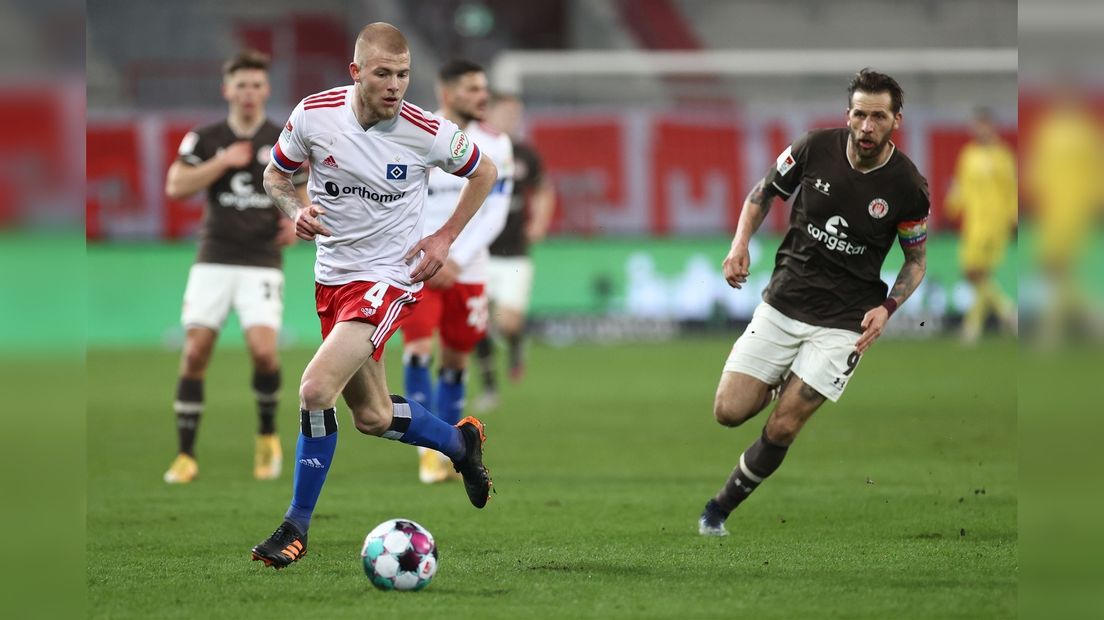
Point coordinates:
[(1065, 156), (983, 195), (826, 302), (454, 304), (511, 270), (370, 154), (239, 263)]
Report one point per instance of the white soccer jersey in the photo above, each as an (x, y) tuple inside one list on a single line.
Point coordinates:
[(371, 183), (470, 248)]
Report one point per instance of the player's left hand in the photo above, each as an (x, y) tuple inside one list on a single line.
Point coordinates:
[(436, 249), (873, 323), (446, 276), (286, 236)]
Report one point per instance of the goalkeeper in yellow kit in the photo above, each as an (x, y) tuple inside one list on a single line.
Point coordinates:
[(1066, 158), (984, 196)]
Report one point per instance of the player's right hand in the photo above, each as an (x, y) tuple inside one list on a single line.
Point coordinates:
[(307, 224), (735, 266), (238, 154)]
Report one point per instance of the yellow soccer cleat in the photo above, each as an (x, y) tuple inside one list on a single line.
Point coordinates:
[(267, 458), (445, 463), (182, 471), (431, 470)]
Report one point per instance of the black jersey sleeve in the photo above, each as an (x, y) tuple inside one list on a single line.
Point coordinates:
[(194, 149), (921, 203), (785, 175)]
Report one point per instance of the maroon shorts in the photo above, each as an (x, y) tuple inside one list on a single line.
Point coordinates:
[(376, 303), (458, 312)]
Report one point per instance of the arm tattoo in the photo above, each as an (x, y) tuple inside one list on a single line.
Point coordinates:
[(279, 187), (760, 195), (912, 272)]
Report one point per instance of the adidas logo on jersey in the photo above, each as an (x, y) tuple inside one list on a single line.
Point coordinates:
[(329, 161)]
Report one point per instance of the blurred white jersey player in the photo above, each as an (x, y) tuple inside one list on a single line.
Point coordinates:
[(454, 302)]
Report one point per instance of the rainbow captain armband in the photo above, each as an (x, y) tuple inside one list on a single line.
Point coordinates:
[(912, 233)]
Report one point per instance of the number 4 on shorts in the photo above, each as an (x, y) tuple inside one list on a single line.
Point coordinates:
[(374, 296)]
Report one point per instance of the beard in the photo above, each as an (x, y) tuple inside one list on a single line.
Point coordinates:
[(872, 151), (386, 113), (473, 113)]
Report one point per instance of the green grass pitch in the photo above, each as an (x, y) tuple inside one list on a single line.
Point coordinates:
[(898, 502)]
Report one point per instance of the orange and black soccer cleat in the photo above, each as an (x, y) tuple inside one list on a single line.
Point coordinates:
[(286, 545), (477, 480)]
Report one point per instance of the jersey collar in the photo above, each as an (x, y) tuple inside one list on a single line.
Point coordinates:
[(350, 113)]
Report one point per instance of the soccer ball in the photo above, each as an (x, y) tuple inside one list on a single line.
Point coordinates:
[(399, 555)]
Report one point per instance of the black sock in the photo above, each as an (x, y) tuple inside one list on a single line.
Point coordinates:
[(760, 460), (188, 408), (484, 354), (515, 344), (267, 388)]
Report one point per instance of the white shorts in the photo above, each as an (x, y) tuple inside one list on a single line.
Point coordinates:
[(510, 282), (255, 293), (823, 357)]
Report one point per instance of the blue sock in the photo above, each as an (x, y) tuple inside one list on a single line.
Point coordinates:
[(450, 395), (313, 456), (413, 424), (416, 379)]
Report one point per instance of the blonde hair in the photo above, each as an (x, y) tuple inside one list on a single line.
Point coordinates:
[(379, 36)]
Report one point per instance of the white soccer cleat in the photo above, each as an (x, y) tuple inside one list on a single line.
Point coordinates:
[(487, 401), (705, 528), (711, 523)]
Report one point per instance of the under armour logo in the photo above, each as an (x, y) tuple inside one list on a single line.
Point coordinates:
[(838, 382), (822, 186)]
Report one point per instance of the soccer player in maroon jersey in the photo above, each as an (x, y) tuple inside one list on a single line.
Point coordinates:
[(239, 263), (826, 302)]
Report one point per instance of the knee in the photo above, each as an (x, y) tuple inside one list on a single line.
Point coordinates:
[(371, 421), (421, 346), (266, 362), (315, 394), (195, 360), (454, 358), (728, 414), (510, 321), (782, 431)]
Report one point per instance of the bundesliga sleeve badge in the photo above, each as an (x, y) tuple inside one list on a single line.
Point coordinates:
[(785, 161)]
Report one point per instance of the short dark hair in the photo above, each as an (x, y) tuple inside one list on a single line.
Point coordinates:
[(869, 81), (248, 59), (456, 68)]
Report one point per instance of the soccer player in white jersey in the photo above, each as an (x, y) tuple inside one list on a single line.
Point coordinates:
[(370, 153), (454, 303)]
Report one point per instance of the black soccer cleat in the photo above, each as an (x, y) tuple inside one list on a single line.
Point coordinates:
[(286, 545), (712, 520), (477, 480)]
